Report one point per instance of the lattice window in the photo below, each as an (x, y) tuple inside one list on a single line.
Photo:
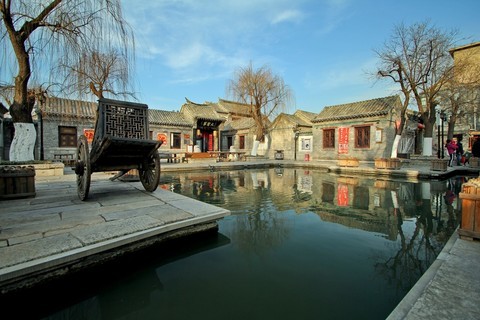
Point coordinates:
[(362, 137), (125, 122), (67, 137), (328, 138)]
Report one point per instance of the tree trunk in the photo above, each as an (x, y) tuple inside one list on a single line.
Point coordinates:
[(23, 143), (451, 126), (258, 137), (428, 134), (396, 141), (254, 151)]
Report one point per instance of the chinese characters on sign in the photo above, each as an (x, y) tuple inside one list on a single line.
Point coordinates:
[(162, 137), (343, 140), (342, 195), (89, 133)]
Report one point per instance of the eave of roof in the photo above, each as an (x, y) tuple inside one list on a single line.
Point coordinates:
[(172, 118), (195, 111), (61, 107), (356, 110), (467, 46)]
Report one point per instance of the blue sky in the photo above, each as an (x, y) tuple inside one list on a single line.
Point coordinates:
[(323, 49)]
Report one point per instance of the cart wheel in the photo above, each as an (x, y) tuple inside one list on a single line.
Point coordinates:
[(82, 168), (149, 172)]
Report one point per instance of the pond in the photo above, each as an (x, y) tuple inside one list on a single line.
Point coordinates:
[(299, 244)]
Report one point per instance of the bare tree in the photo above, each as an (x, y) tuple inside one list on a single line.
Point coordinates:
[(100, 73), (459, 101), (266, 93), (37, 35), (417, 59)]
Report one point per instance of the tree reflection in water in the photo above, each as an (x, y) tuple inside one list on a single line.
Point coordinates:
[(273, 210), (299, 244), (417, 252), (259, 197)]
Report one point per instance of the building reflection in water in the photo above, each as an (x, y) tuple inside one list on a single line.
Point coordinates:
[(324, 243), (370, 204), (259, 197)]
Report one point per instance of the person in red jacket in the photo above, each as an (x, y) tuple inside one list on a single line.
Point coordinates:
[(452, 150)]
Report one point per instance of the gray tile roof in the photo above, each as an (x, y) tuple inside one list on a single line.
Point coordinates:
[(235, 108), (239, 124), (290, 120), (194, 111), (305, 115), (60, 107), (360, 109), (173, 118)]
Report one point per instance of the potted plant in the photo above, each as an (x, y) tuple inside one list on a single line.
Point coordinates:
[(348, 162), (474, 162), (387, 163), (381, 163), (439, 165), (470, 197), (17, 181)]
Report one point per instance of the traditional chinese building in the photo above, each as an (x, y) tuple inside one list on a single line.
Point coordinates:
[(197, 127), (467, 59), (364, 129), (292, 136)]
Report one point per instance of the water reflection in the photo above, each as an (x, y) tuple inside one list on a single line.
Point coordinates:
[(416, 218), (370, 204), (299, 244), (127, 287)]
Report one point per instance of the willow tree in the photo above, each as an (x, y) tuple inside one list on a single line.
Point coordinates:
[(100, 74), (39, 37), (266, 93), (416, 58)]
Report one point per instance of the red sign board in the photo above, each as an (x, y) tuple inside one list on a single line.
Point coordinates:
[(210, 142), (342, 195), (343, 140), (162, 137), (89, 133)]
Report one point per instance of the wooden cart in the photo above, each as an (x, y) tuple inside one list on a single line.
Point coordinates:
[(120, 143)]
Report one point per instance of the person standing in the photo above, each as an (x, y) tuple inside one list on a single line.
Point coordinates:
[(451, 149), (459, 151)]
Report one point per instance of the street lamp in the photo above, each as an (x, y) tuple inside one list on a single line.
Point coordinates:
[(295, 146), (437, 120), (443, 117)]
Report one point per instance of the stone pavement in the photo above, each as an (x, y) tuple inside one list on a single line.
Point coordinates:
[(55, 228), (449, 289)]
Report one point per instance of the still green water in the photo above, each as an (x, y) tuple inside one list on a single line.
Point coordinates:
[(299, 244)]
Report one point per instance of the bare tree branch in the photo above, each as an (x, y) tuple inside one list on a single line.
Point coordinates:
[(266, 93), (416, 57)]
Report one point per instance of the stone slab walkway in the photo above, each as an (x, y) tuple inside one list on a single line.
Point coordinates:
[(449, 289), (55, 228)]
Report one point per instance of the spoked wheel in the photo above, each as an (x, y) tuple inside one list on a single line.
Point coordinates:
[(82, 168), (149, 172)]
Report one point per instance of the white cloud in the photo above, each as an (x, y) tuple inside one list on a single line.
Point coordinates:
[(287, 16), (214, 37)]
